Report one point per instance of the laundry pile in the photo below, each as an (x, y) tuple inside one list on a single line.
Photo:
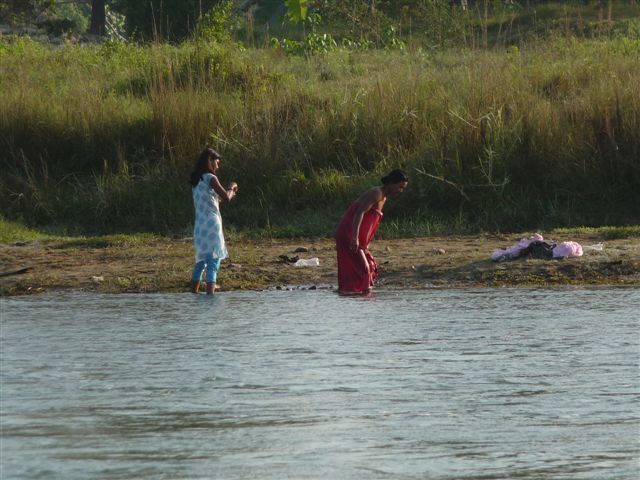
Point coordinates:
[(537, 247)]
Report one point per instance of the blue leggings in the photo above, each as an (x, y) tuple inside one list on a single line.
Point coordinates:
[(211, 264)]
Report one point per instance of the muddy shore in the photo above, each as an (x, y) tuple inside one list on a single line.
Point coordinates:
[(164, 264)]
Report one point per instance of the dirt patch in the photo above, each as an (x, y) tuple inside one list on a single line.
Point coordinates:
[(164, 265)]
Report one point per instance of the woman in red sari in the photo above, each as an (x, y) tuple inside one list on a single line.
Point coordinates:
[(357, 269)]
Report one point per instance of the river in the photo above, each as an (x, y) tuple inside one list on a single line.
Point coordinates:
[(420, 384)]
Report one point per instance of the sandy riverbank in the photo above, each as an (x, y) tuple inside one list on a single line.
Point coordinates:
[(164, 264)]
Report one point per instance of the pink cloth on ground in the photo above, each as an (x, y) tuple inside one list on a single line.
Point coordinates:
[(563, 250), (568, 249), (514, 250)]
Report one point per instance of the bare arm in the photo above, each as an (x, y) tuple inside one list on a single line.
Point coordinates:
[(225, 194)]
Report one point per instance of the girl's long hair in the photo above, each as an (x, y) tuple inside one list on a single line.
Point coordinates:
[(202, 165)]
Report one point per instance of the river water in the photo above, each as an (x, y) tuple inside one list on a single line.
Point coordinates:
[(435, 384)]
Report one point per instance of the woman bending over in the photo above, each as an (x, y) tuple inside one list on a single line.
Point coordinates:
[(357, 269)]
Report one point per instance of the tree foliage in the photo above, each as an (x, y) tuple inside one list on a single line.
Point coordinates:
[(215, 24), (19, 11), (297, 10)]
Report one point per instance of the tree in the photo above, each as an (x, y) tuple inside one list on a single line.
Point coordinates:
[(98, 17)]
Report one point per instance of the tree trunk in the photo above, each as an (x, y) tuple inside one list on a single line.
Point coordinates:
[(601, 9), (98, 17), (485, 25)]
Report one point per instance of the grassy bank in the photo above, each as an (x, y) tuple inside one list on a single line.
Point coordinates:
[(13, 232), (99, 139)]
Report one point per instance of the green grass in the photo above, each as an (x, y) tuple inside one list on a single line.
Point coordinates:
[(104, 241), (606, 233), (11, 232), (100, 139)]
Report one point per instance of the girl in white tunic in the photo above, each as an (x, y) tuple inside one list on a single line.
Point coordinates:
[(208, 238)]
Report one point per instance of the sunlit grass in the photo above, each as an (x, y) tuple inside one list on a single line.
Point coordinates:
[(606, 233), (11, 232)]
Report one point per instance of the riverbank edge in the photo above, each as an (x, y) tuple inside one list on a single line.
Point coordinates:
[(163, 265)]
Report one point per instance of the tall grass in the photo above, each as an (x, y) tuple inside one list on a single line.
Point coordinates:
[(101, 138)]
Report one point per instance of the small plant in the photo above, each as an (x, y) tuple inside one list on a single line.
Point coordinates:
[(313, 43), (358, 45), (390, 39)]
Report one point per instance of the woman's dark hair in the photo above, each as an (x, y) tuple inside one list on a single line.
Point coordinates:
[(395, 176), (202, 165)]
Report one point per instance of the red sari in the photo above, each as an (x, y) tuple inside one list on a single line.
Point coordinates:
[(356, 270)]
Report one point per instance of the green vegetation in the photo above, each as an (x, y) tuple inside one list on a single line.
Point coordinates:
[(11, 232), (605, 233), (104, 241), (15, 232), (100, 139)]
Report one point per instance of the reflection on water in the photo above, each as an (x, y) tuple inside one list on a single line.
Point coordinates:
[(457, 384)]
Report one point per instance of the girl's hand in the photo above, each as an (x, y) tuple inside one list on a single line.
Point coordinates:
[(233, 186)]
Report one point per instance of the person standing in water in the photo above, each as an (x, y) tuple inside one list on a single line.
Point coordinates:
[(208, 238), (357, 269)]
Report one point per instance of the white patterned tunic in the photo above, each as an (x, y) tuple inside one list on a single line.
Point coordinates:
[(208, 238)]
